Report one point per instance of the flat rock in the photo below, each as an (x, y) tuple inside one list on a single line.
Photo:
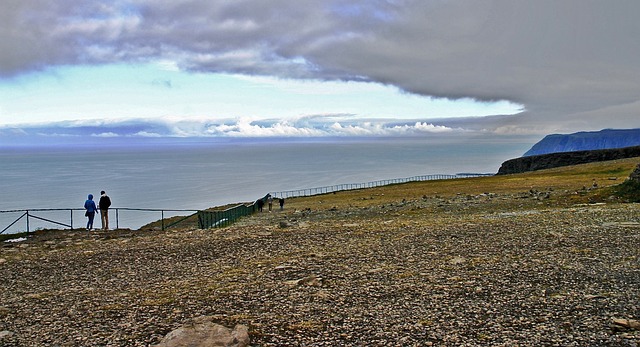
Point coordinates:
[(202, 332), (309, 281), (627, 323), (457, 261)]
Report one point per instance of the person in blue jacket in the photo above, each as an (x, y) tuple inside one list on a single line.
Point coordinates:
[(91, 208)]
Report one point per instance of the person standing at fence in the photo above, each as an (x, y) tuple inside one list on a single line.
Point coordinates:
[(270, 201), (104, 205), (90, 206), (281, 201)]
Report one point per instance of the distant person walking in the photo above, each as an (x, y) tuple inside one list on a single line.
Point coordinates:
[(270, 201), (104, 205), (281, 201), (90, 206)]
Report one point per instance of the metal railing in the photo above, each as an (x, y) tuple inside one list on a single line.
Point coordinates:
[(30, 214)]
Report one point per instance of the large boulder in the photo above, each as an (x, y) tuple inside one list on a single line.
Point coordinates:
[(635, 175), (629, 191), (202, 332)]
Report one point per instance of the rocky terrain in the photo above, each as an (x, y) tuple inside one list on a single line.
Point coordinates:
[(525, 261)]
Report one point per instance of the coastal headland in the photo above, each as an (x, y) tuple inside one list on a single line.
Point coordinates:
[(544, 258)]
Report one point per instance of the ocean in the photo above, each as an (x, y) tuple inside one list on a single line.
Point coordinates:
[(194, 174)]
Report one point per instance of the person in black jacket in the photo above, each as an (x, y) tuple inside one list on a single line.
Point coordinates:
[(260, 203), (104, 205)]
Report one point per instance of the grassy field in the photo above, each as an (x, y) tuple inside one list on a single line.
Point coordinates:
[(569, 185)]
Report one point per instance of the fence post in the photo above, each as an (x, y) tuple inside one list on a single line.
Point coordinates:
[(71, 210), (28, 221)]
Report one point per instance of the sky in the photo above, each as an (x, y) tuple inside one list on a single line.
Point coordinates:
[(318, 68)]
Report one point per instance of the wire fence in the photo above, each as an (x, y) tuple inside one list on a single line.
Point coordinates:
[(380, 183)]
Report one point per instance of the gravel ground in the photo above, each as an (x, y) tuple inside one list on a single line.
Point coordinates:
[(468, 271)]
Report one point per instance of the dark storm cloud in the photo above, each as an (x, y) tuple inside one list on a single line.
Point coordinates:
[(568, 62), (573, 64)]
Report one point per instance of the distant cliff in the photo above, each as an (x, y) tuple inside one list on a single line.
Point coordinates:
[(585, 141), (548, 161)]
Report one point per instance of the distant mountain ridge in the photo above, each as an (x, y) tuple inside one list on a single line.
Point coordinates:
[(586, 141)]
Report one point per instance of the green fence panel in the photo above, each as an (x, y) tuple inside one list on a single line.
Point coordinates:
[(220, 219)]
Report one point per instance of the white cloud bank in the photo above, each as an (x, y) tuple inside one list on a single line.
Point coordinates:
[(304, 127)]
